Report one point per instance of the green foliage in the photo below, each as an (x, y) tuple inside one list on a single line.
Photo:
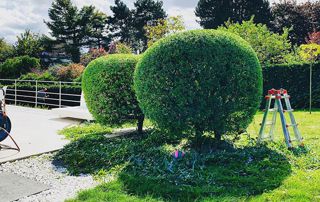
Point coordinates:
[(52, 87), (15, 67), (75, 28), (310, 52), (79, 131), (119, 48), (119, 23), (155, 11), (183, 88), (122, 48), (29, 44), (294, 78), (163, 27), (214, 13), (271, 48), (107, 85), (128, 25), (45, 76), (6, 50)]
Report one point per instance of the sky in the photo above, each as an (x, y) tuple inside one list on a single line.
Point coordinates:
[(19, 15)]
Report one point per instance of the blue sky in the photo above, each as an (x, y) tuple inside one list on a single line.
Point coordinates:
[(18, 15)]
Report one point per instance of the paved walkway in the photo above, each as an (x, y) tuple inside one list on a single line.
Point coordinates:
[(35, 131)]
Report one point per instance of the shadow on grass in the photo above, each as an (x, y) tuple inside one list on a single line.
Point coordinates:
[(148, 168)]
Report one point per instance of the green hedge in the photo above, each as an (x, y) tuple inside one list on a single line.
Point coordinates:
[(108, 88), (52, 88), (294, 78), (15, 67)]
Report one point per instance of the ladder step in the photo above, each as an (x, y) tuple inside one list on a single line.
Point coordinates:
[(288, 125), (289, 110), (282, 96), (264, 138), (269, 123), (273, 109)]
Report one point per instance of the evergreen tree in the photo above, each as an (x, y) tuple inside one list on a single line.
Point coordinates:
[(73, 27), (127, 25), (146, 11), (213, 13), (120, 23), (93, 25)]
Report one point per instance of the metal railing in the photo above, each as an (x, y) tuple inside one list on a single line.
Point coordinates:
[(52, 94)]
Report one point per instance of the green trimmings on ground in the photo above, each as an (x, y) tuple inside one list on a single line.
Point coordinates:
[(147, 172)]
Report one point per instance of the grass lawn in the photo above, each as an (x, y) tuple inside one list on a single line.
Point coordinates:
[(144, 169)]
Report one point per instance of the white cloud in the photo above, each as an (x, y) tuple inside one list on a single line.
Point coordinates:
[(19, 15)]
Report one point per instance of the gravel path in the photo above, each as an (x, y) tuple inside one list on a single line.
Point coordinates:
[(41, 169)]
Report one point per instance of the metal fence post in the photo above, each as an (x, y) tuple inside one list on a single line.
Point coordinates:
[(36, 101), (15, 92), (60, 89)]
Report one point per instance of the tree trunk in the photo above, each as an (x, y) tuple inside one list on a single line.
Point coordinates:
[(217, 136), (140, 124), (75, 54)]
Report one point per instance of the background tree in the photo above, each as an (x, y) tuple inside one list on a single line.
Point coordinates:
[(6, 50), (29, 44), (310, 53), (313, 37), (301, 18), (214, 13), (271, 48), (163, 27), (120, 23), (73, 27), (96, 29), (146, 11)]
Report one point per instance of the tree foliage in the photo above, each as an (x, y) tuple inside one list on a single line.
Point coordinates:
[(6, 50), (120, 22), (29, 43), (164, 27), (313, 37), (75, 28), (145, 11), (302, 18), (271, 48), (13, 68), (128, 25), (310, 52), (199, 81), (214, 13)]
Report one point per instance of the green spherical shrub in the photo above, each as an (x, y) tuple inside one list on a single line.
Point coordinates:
[(108, 89), (200, 81)]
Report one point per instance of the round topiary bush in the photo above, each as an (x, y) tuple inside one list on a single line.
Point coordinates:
[(108, 89), (198, 81)]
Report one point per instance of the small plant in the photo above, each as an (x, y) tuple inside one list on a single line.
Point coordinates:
[(119, 48), (15, 67), (93, 53), (108, 88), (67, 72), (200, 81)]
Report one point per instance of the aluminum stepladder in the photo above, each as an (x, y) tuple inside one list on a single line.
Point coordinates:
[(279, 95)]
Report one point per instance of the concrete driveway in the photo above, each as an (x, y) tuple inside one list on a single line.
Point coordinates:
[(35, 131)]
